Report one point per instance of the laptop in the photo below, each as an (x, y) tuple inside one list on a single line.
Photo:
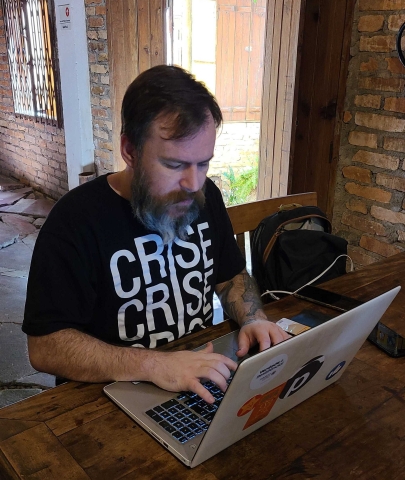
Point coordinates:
[(264, 386)]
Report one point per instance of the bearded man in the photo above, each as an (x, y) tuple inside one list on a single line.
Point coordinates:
[(133, 258)]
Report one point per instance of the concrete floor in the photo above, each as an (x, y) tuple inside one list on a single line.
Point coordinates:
[(22, 212)]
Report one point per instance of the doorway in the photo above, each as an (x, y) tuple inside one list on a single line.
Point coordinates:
[(222, 43)]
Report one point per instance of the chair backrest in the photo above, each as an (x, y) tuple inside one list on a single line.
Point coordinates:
[(246, 217)]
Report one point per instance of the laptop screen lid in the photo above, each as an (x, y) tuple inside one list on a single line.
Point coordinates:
[(265, 385)]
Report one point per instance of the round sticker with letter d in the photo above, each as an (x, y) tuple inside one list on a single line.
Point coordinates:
[(302, 377)]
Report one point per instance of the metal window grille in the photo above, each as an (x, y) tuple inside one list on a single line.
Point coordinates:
[(31, 47)]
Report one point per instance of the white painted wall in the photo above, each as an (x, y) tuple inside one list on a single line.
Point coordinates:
[(75, 85)]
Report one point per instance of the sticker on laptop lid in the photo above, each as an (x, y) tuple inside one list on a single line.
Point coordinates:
[(335, 370), (259, 406), (268, 371), (292, 327)]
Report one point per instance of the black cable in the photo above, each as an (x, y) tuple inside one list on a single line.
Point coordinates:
[(399, 48)]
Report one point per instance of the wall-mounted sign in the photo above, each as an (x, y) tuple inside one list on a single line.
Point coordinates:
[(64, 17)]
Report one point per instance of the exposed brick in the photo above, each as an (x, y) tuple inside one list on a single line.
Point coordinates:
[(103, 155), (347, 116), (95, 22), (362, 175), (98, 112), (394, 143), (370, 23), (391, 182), (363, 139), (395, 21), (100, 134), (362, 224), (96, 46), (371, 193), (101, 10), (360, 256), (365, 5), (106, 145), (97, 90), (379, 246), (356, 205), (390, 84), (380, 122), (98, 69), (387, 215), (377, 159), (377, 43), (394, 104), (370, 66), (394, 65)]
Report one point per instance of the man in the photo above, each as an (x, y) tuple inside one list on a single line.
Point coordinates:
[(133, 258)]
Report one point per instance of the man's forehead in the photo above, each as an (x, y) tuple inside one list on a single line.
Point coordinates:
[(165, 126)]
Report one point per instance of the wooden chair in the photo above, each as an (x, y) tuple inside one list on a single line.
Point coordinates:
[(246, 217)]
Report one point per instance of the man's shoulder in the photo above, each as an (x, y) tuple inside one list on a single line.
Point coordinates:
[(92, 198)]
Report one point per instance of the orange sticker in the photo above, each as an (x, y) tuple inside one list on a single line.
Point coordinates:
[(260, 405), (248, 406)]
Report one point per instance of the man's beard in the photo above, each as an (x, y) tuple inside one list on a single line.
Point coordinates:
[(154, 211)]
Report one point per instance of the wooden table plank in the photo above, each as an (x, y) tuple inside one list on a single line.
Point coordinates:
[(53, 403), (9, 428), (80, 415), (116, 447), (36, 454)]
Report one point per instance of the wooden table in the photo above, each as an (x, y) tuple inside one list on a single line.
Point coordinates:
[(353, 429)]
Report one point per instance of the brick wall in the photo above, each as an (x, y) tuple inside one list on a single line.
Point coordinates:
[(370, 191), (31, 152), (100, 85)]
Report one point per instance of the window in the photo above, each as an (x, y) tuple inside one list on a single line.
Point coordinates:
[(30, 36)]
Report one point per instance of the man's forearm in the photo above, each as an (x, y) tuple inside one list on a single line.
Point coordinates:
[(240, 299), (77, 356)]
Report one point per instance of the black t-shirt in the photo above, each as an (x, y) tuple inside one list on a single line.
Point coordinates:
[(96, 269)]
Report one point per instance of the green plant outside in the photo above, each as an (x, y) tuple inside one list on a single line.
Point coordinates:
[(241, 186)]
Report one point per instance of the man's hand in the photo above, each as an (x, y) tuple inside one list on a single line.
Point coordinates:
[(263, 332), (241, 300), (179, 371)]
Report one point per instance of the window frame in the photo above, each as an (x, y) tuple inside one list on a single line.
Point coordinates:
[(33, 61)]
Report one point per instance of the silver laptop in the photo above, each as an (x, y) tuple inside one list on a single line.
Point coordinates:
[(263, 387)]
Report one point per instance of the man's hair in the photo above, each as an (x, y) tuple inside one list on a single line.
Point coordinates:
[(166, 90)]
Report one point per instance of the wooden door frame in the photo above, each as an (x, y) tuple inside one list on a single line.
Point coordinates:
[(135, 32), (316, 140), (277, 126)]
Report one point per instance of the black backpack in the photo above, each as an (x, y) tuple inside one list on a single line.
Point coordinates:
[(293, 246)]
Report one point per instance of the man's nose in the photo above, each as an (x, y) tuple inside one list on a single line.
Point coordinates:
[(191, 179)]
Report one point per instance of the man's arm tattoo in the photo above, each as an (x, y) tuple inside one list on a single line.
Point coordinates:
[(241, 287)]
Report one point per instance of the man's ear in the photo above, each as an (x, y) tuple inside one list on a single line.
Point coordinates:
[(128, 151)]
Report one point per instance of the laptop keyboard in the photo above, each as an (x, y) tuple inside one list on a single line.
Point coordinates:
[(187, 415)]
